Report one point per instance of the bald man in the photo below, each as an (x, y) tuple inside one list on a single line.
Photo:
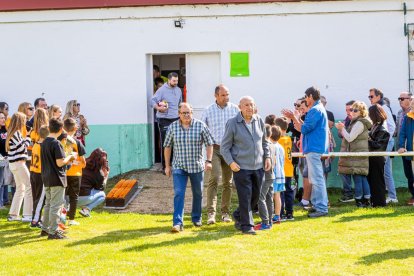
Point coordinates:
[(245, 150)]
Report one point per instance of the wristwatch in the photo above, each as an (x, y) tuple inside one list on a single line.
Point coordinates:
[(208, 161)]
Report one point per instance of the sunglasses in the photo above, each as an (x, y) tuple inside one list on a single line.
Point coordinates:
[(354, 110), (77, 104), (370, 97), (402, 99), (296, 105), (31, 108)]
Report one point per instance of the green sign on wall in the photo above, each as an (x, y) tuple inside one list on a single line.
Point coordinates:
[(239, 64)]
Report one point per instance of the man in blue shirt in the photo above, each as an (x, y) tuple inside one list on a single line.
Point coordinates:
[(315, 131)]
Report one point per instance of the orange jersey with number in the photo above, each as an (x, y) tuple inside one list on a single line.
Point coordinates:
[(35, 163), (286, 143), (76, 168)]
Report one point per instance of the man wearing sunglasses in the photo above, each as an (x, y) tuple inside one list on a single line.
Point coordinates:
[(377, 97), (405, 100), (38, 103)]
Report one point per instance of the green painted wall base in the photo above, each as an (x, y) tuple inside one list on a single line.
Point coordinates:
[(129, 147)]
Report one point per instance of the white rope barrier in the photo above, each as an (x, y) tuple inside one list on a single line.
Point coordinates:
[(359, 154)]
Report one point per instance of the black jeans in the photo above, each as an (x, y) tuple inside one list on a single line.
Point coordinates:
[(287, 197), (72, 191), (248, 183), (408, 171), (163, 125), (376, 180)]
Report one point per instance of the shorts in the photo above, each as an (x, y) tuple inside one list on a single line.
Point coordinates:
[(278, 187)]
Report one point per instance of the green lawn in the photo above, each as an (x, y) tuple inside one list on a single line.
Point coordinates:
[(348, 241)]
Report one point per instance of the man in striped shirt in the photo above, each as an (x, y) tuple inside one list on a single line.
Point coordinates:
[(215, 117), (187, 136)]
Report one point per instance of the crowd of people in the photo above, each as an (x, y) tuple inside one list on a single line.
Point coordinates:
[(256, 154), (42, 161)]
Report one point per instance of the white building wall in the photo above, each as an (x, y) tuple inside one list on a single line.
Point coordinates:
[(98, 56)]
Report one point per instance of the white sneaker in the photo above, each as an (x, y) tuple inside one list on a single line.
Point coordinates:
[(391, 200), (13, 218), (211, 218), (226, 218), (73, 222), (85, 212), (26, 218)]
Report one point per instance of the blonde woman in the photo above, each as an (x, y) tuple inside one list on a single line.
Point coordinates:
[(355, 139), (55, 112), (40, 119), (16, 146), (28, 110), (73, 111)]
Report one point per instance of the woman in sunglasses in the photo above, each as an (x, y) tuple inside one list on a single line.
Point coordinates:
[(355, 139), (73, 111), (28, 110)]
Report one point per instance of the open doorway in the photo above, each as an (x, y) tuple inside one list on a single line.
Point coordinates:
[(162, 66)]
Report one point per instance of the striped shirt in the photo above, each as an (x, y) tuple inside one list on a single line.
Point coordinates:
[(18, 147), (216, 118), (187, 144)]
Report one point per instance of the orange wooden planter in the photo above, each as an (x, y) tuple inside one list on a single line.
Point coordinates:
[(121, 193)]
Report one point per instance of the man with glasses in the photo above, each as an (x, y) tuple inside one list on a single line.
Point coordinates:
[(215, 117), (405, 100), (187, 136), (377, 97), (166, 101), (38, 103)]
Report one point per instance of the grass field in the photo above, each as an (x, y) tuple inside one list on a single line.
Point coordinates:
[(348, 241)]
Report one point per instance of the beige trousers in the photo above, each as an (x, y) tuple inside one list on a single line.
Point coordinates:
[(219, 165), (23, 192)]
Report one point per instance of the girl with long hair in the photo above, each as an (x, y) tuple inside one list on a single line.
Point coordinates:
[(94, 177), (55, 112), (16, 146), (40, 119), (73, 111)]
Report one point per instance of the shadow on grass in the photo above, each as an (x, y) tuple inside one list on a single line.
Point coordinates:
[(9, 237), (388, 255), (395, 213), (205, 234), (122, 235)]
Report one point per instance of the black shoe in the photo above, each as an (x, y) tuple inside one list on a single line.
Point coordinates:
[(366, 202), (197, 224), (43, 233), (346, 199), (36, 225), (249, 232), (359, 203), (311, 210), (317, 214), (289, 217), (56, 236), (237, 224)]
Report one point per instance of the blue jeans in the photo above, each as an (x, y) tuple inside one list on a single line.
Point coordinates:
[(347, 185), (389, 180), (361, 186), (91, 201), (180, 179), (319, 196)]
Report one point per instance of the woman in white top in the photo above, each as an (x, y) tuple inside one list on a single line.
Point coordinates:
[(16, 146)]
